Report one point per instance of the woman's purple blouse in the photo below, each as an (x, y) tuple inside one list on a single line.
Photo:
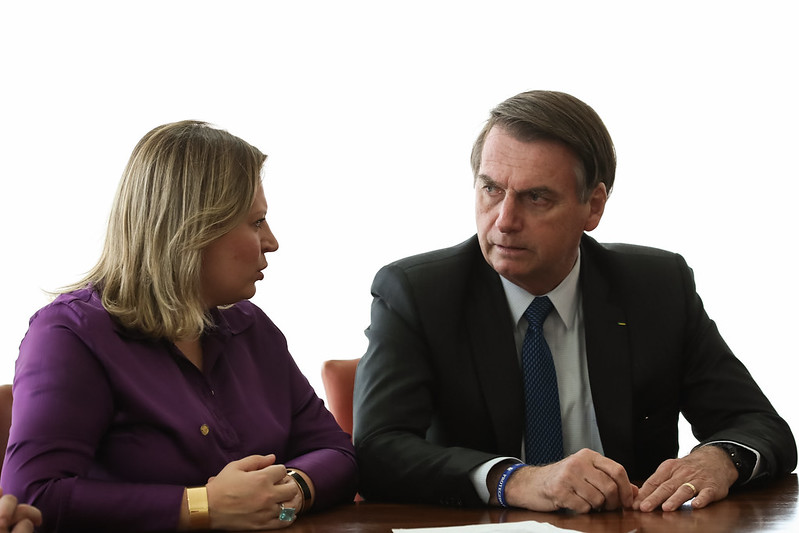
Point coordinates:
[(109, 426)]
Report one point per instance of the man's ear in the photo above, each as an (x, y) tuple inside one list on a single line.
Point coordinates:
[(599, 196)]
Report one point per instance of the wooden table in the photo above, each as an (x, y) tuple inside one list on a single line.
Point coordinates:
[(770, 509)]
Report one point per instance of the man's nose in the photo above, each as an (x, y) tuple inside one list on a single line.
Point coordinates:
[(508, 217)]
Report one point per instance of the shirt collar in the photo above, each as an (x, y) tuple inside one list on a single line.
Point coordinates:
[(564, 297)]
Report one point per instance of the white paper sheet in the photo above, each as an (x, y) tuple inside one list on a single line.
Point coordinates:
[(528, 526)]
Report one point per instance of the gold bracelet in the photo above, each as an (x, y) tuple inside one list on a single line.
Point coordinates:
[(199, 516), (304, 488)]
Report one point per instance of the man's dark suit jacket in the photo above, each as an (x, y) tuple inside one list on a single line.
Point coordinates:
[(439, 390)]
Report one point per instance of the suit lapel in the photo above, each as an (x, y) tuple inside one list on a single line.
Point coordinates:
[(494, 355), (607, 342)]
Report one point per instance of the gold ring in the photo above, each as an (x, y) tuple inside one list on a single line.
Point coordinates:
[(690, 486)]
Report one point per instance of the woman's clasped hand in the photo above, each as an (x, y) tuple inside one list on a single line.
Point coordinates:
[(253, 493)]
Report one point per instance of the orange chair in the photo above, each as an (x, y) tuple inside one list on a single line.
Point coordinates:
[(338, 378), (5, 418)]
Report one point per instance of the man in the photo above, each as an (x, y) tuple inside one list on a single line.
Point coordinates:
[(445, 398)]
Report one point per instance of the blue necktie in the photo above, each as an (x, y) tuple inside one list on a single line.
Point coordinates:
[(543, 436)]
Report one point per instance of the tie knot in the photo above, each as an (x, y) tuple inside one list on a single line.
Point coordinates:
[(538, 310)]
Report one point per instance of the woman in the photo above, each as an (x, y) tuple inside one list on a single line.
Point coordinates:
[(152, 395)]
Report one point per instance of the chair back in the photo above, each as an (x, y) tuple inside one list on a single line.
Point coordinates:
[(338, 378), (5, 419)]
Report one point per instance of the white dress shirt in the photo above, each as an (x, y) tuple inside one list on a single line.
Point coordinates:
[(564, 333)]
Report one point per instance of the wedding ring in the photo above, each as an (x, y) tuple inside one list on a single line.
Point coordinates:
[(286, 514), (690, 486)]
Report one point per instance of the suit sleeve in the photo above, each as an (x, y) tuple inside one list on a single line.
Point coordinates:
[(722, 401), (395, 403)]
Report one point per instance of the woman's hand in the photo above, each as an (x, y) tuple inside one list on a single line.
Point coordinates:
[(247, 494), (17, 517), (297, 502)]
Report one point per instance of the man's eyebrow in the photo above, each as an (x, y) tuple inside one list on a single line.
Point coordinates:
[(487, 181), (536, 190), (542, 190)]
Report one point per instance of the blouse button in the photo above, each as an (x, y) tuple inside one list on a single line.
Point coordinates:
[(204, 429)]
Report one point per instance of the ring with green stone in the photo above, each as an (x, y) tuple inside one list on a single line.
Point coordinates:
[(286, 514)]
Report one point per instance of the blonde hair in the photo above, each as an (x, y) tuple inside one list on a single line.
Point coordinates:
[(185, 185)]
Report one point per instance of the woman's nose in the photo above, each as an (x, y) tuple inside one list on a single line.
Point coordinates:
[(268, 240)]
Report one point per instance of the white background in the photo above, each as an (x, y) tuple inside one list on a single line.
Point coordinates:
[(368, 111)]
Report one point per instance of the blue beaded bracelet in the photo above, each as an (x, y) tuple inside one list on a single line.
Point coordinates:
[(503, 480)]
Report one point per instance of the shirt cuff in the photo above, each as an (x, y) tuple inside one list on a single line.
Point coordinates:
[(479, 476)]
